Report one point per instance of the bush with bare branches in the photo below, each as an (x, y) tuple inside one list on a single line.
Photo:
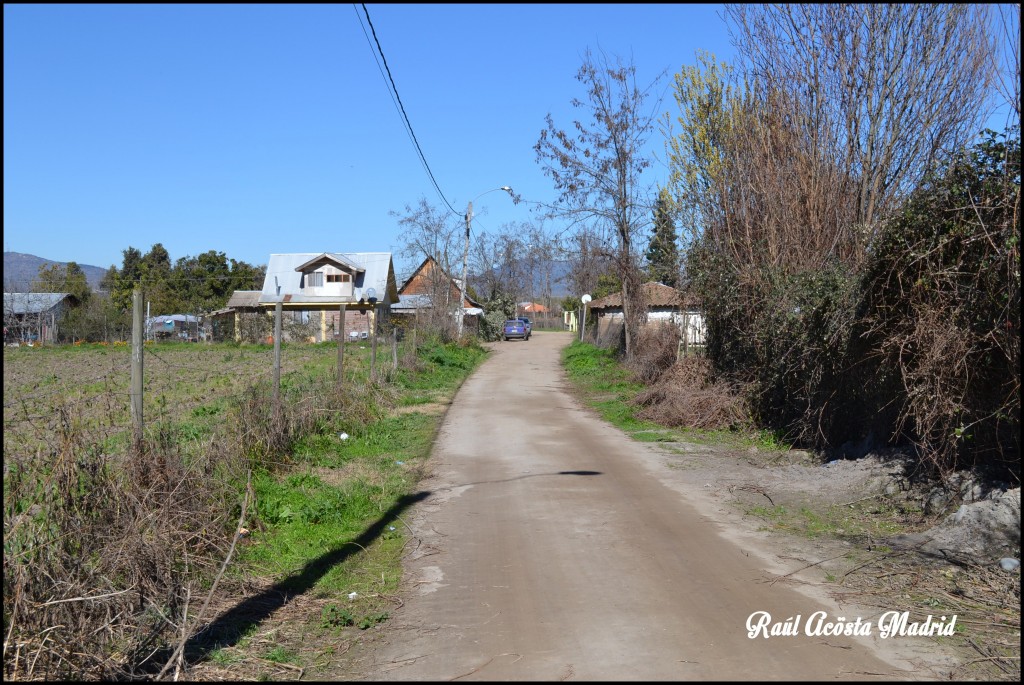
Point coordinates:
[(102, 555), (656, 350), (106, 553), (686, 395), (942, 311)]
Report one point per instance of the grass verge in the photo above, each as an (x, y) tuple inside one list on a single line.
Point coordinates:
[(606, 386), (328, 524)]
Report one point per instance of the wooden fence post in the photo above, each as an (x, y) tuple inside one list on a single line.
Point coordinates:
[(137, 385), (277, 353), (394, 348), (341, 346)]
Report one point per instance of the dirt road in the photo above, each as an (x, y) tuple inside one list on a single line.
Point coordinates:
[(553, 547)]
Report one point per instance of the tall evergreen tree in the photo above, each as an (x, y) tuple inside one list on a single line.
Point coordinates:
[(663, 251), (68, 278)]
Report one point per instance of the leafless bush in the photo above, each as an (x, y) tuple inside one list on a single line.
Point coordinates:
[(687, 396), (101, 555), (655, 352)]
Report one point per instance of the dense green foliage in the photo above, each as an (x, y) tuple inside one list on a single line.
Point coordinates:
[(497, 310), (663, 250), (192, 285)]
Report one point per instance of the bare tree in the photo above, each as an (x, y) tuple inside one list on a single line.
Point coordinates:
[(791, 165), (1007, 61), (596, 168), (430, 233), (499, 259), (545, 252), (878, 89), (589, 258)]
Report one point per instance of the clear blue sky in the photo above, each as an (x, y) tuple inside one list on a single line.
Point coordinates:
[(254, 129)]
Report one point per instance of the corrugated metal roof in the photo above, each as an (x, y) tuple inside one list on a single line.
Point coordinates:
[(281, 272), (410, 302), (244, 298), (31, 303)]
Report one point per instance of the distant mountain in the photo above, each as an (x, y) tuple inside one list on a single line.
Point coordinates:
[(559, 270), (20, 270)]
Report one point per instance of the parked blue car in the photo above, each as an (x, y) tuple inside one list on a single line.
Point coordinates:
[(515, 328)]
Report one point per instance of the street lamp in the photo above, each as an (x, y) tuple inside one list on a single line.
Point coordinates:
[(585, 299), (465, 253)]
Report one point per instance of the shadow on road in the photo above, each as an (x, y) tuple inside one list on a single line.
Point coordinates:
[(527, 475), (228, 628)]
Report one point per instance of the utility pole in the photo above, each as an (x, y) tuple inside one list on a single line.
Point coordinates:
[(465, 253), (465, 269)]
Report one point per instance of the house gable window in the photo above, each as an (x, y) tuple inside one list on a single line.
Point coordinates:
[(328, 281)]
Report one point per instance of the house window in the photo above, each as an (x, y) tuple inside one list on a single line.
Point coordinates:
[(338, 278), (315, 279)]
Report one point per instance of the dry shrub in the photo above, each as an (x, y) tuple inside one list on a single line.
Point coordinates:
[(655, 352), (108, 556), (102, 555), (267, 431), (942, 297), (687, 396)]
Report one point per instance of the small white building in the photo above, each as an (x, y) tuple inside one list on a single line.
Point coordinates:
[(665, 305)]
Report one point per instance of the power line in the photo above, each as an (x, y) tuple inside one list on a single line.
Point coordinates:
[(396, 98)]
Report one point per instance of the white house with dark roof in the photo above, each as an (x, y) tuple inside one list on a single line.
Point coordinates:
[(665, 305), (312, 287)]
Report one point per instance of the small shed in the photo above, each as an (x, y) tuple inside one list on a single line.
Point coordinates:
[(242, 318), (184, 327), (32, 318)]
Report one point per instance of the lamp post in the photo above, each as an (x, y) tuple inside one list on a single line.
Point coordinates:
[(465, 253), (583, 323)]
